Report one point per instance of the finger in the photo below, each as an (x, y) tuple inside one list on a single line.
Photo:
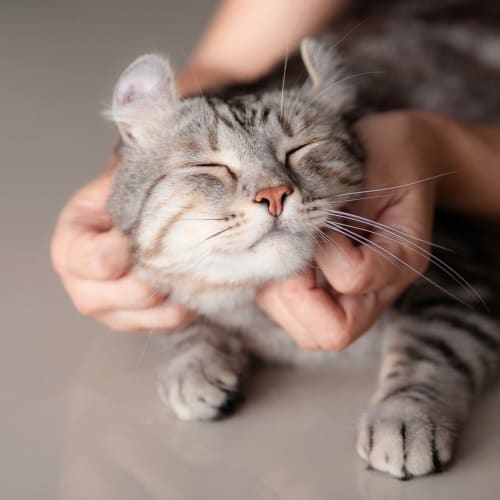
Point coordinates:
[(308, 313), (379, 257), (85, 244), (92, 297), (164, 318), (272, 303), (316, 320), (98, 256)]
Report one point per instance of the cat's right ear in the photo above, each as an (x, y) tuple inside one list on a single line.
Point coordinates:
[(327, 74), (143, 95)]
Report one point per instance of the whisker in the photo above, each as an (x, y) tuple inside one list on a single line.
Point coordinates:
[(285, 64), (363, 198), (439, 263), (221, 218), (379, 225), (218, 233), (407, 184), (384, 253), (328, 88), (350, 31), (297, 98), (145, 348)]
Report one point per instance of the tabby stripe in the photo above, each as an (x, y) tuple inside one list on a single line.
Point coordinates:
[(405, 474), (213, 139), (212, 102), (370, 439), (350, 148), (454, 360), (137, 222), (157, 246), (414, 354), (451, 319), (239, 118), (265, 114), (419, 305), (417, 388), (437, 466)]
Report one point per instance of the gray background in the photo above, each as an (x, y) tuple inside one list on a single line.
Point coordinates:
[(79, 415)]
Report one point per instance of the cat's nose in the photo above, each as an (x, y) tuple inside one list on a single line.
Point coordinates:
[(274, 198)]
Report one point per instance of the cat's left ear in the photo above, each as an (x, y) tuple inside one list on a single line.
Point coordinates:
[(329, 79), (144, 93)]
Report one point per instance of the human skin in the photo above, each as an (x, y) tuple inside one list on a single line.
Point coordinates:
[(462, 163), (93, 259)]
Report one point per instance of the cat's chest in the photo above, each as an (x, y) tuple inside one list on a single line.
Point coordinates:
[(211, 298)]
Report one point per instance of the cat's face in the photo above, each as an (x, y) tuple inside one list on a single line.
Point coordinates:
[(230, 190)]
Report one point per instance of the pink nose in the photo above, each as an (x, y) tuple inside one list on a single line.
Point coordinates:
[(274, 197)]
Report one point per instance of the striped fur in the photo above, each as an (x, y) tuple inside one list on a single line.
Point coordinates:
[(185, 192)]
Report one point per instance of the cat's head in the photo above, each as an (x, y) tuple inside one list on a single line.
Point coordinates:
[(236, 189)]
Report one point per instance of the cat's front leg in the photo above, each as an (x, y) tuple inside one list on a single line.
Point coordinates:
[(201, 379), (432, 367)]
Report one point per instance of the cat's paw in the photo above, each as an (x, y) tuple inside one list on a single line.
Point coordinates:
[(406, 439), (204, 389)]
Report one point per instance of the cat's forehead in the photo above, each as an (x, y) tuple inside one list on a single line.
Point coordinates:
[(248, 119)]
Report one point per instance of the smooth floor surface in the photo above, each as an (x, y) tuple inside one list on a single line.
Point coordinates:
[(80, 418)]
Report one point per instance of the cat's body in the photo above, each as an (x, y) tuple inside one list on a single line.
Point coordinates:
[(222, 195)]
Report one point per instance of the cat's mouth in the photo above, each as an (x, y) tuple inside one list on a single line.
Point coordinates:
[(276, 231)]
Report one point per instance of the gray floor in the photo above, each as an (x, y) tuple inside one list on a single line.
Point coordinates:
[(79, 415)]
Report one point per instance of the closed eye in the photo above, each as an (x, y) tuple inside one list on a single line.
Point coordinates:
[(293, 155), (217, 165)]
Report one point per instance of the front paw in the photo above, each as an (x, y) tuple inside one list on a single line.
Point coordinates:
[(406, 439), (205, 388)]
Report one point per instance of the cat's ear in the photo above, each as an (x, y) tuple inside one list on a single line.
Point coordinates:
[(326, 70), (144, 93)]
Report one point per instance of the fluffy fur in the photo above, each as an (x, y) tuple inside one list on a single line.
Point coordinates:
[(192, 191)]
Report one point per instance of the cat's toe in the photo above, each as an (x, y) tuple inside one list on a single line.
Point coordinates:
[(405, 439), (201, 392)]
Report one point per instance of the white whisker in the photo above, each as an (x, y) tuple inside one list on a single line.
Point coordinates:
[(439, 263), (384, 253), (379, 225), (390, 188), (285, 64)]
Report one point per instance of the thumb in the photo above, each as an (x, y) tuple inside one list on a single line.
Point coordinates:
[(85, 243)]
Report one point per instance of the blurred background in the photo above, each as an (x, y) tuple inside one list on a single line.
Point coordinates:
[(79, 415)]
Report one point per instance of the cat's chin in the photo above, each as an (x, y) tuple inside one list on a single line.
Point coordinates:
[(274, 257)]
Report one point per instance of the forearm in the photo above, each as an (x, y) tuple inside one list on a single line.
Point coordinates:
[(246, 38)]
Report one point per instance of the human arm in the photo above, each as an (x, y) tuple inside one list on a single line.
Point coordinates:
[(401, 147), (246, 38)]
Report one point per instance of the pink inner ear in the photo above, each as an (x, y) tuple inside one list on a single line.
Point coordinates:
[(130, 95), (127, 133)]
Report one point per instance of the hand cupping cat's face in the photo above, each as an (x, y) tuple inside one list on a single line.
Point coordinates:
[(230, 189)]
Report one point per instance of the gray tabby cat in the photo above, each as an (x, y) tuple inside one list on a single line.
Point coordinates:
[(222, 195)]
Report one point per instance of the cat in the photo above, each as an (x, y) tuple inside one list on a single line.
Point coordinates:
[(221, 195)]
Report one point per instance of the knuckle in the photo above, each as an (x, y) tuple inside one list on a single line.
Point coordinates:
[(103, 265), (176, 316), (115, 324), (291, 292), (356, 282), (145, 295), (106, 264), (84, 306)]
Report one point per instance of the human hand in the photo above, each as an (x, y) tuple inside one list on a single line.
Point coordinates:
[(93, 261), (366, 278)]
